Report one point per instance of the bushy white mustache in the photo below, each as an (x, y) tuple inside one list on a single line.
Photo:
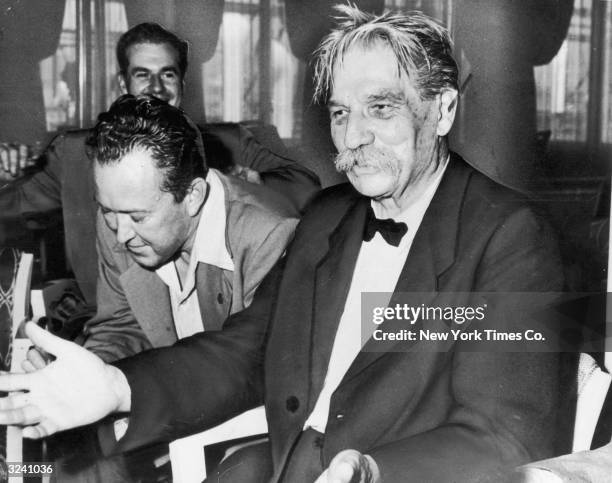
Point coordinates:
[(367, 156)]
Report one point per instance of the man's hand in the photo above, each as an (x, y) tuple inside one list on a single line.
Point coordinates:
[(350, 466), (78, 388), (584, 466), (14, 158), (247, 174)]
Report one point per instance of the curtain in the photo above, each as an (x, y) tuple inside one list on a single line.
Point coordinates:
[(28, 34)]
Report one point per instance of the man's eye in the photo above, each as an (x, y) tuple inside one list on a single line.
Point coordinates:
[(138, 218), (141, 75), (170, 75), (381, 110), (110, 218), (337, 114)]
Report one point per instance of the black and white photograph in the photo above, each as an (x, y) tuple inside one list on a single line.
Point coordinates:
[(305, 241)]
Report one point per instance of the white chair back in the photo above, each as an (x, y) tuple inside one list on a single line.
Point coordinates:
[(187, 454)]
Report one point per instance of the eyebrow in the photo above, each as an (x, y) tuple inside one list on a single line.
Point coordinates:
[(168, 68), (332, 103), (128, 212), (139, 69), (391, 95)]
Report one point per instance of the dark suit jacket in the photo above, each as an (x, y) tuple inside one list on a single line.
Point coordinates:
[(423, 416), (65, 183), (134, 311)]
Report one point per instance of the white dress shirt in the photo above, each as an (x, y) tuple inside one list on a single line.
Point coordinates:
[(377, 270), (208, 247)]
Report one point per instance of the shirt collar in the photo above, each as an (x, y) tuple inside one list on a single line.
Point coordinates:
[(209, 245), (413, 215), (210, 241)]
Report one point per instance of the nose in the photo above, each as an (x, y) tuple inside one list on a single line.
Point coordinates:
[(156, 84), (125, 231), (357, 131)]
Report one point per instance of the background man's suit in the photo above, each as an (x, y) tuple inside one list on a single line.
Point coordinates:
[(428, 416), (66, 183)]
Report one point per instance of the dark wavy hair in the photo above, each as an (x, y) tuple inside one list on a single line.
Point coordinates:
[(150, 33), (147, 123)]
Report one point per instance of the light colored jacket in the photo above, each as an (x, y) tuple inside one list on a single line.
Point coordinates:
[(134, 310)]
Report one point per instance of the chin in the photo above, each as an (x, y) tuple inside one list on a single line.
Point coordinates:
[(149, 264), (147, 260), (373, 186)]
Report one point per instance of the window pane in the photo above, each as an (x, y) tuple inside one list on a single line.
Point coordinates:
[(59, 74), (108, 21), (563, 85), (286, 76), (231, 77), (116, 24), (606, 121)]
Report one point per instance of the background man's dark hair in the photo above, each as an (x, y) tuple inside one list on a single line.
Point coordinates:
[(150, 33), (146, 123)]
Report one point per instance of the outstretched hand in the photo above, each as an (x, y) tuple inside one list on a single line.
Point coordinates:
[(350, 466), (77, 388)]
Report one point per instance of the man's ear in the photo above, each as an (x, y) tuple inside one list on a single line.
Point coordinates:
[(447, 110), (122, 83), (196, 195)]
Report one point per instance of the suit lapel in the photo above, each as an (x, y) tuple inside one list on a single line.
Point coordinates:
[(214, 297), (333, 278), (431, 254), (149, 300), (321, 265)]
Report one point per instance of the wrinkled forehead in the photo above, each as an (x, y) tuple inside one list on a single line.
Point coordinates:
[(367, 68), (361, 48)]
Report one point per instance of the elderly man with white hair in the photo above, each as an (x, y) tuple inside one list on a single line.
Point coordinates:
[(415, 218)]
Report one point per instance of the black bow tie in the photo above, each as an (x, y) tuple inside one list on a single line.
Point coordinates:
[(391, 231)]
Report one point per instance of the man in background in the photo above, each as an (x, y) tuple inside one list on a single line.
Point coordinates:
[(152, 61)]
